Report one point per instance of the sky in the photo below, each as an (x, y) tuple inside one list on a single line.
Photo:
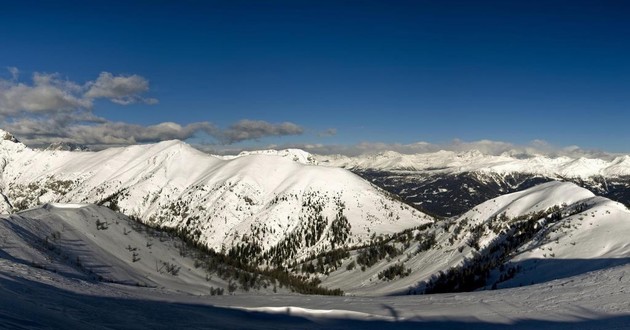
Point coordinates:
[(321, 75)]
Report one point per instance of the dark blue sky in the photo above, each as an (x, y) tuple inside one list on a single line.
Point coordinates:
[(380, 71)]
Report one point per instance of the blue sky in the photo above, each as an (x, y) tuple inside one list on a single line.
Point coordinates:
[(294, 72)]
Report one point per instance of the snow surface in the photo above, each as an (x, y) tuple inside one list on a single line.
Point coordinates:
[(65, 239), (43, 288), (33, 298)]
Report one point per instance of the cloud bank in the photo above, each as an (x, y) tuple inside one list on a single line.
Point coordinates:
[(256, 129), (53, 109)]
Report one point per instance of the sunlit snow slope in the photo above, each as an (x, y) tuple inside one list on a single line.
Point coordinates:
[(551, 231), (91, 242)]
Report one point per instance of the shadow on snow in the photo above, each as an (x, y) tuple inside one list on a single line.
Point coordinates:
[(26, 304)]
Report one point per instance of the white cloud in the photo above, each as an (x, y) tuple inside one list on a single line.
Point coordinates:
[(119, 89), (52, 109), (255, 129), (15, 73), (47, 94), (328, 132), (100, 133)]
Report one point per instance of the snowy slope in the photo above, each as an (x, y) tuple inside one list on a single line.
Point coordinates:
[(51, 285), (475, 161), (89, 242), (558, 230), (254, 199), (33, 298)]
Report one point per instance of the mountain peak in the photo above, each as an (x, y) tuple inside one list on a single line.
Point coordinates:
[(8, 136), (67, 146), (296, 155)]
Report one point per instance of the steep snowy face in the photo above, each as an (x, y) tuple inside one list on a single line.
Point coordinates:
[(550, 231), (262, 201)]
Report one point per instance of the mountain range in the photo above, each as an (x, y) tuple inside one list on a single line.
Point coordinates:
[(260, 200), (171, 220), (447, 183)]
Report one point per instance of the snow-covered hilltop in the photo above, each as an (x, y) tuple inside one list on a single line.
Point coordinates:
[(267, 202), (551, 231), (297, 155)]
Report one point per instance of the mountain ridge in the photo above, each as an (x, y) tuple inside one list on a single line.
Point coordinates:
[(269, 200), (452, 162)]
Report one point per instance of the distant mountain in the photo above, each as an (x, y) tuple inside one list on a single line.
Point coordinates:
[(448, 183), (8, 137), (260, 207), (295, 155), (67, 146), (476, 161)]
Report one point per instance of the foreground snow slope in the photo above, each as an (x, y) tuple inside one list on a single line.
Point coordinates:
[(252, 199), (551, 231), (89, 242), (33, 298), (475, 161)]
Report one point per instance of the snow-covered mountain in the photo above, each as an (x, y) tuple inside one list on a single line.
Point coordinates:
[(85, 266), (247, 205), (475, 161), (554, 230), (322, 222), (553, 248), (448, 183), (297, 155), (66, 146)]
